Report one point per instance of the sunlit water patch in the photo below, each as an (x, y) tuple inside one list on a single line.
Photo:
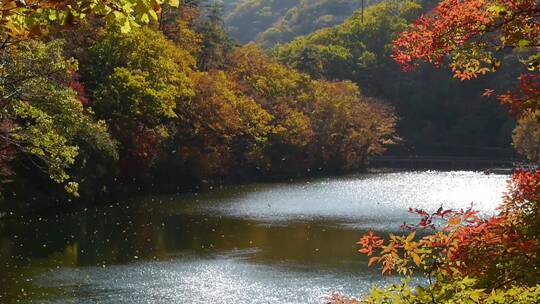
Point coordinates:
[(220, 279), (288, 242), (371, 200)]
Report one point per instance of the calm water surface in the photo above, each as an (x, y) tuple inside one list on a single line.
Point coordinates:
[(260, 243)]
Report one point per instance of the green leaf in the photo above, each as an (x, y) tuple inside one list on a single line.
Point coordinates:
[(144, 18), (523, 43), (126, 27), (53, 16), (153, 14)]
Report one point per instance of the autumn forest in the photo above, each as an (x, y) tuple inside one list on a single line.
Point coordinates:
[(236, 140), (176, 99)]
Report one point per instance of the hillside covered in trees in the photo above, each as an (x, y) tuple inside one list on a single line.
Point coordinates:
[(337, 40), (268, 22), (174, 104), (440, 115)]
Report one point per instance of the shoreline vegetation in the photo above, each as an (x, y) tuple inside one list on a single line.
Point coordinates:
[(172, 104)]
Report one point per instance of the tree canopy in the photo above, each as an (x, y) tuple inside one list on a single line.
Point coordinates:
[(440, 115), (269, 22), (34, 17), (174, 103)]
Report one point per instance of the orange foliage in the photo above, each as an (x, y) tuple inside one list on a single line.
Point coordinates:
[(499, 248), (473, 34)]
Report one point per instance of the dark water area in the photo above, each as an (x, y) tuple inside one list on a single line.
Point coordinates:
[(288, 242)]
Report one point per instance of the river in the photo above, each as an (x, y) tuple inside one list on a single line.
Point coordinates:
[(288, 242)]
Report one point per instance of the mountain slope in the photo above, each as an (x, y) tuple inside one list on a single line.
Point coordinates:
[(439, 115), (268, 22)]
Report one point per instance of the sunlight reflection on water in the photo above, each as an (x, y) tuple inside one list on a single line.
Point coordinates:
[(261, 243), (379, 199), (220, 279)]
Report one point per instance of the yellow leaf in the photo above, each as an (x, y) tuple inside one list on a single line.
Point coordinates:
[(126, 27), (373, 260), (456, 220), (416, 259), (411, 236), (174, 3), (153, 14)]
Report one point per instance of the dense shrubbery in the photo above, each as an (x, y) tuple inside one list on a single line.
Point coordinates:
[(174, 103)]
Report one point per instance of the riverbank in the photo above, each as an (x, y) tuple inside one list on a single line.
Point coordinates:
[(118, 190)]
